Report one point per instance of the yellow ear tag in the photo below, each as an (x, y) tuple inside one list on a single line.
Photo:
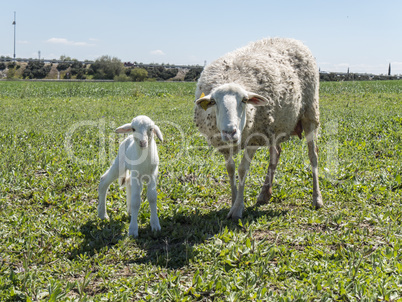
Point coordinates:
[(204, 104)]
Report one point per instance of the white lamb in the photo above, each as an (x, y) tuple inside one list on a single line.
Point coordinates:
[(259, 95), (137, 162)]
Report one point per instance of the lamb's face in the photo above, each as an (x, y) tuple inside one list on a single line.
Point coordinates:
[(143, 130), (230, 103)]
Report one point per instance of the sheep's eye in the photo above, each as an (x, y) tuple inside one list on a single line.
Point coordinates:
[(244, 100), (133, 129), (212, 102)]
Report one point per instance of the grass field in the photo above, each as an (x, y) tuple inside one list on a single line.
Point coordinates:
[(56, 139)]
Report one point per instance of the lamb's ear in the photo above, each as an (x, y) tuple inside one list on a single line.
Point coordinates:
[(126, 128), (158, 133), (205, 101), (256, 99)]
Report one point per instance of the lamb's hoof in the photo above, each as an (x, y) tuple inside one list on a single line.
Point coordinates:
[(317, 202), (103, 216), (155, 226), (133, 233)]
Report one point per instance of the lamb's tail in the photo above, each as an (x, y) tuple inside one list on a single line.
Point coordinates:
[(123, 180)]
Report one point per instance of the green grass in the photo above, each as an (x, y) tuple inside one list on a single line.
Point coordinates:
[(56, 139)]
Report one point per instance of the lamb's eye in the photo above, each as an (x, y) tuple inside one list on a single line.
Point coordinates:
[(212, 102), (133, 129), (244, 100)]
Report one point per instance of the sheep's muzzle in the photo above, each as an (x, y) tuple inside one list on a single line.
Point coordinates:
[(230, 136)]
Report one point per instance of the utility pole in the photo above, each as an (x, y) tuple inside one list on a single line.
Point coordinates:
[(389, 69), (15, 25)]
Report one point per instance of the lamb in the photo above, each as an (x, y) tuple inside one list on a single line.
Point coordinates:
[(136, 163), (259, 95)]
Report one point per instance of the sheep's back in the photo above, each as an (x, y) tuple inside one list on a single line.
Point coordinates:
[(282, 70)]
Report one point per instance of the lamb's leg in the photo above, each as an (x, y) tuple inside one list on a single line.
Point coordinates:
[(266, 190), (231, 168), (128, 192), (237, 208), (106, 179), (310, 129), (135, 204), (152, 199)]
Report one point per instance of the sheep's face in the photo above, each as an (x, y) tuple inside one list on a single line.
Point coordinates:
[(143, 130), (230, 104)]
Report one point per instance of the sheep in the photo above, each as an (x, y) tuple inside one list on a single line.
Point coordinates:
[(136, 163), (259, 95)]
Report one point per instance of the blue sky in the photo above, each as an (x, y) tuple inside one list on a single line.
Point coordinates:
[(364, 35)]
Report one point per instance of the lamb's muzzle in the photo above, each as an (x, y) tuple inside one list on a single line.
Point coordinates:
[(143, 143)]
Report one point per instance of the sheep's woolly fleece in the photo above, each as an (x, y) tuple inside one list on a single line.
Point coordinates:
[(283, 71)]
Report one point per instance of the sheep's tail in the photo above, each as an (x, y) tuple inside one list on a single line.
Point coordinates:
[(123, 180)]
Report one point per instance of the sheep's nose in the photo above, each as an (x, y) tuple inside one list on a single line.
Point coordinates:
[(143, 143), (230, 135)]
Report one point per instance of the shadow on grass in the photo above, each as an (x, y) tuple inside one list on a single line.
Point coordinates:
[(172, 247)]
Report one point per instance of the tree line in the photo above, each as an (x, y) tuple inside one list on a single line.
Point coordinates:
[(103, 68), (111, 68)]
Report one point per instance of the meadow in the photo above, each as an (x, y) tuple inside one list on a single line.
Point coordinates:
[(57, 139)]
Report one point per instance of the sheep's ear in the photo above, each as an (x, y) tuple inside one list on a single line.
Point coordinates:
[(124, 129), (158, 133), (205, 101), (257, 100)]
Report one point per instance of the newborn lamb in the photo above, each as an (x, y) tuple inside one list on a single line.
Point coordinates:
[(136, 163)]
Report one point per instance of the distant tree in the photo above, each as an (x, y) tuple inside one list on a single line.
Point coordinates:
[(65, 64), (11, 73), (36, 70), (62, 66), (161, 73), (11, 65), (106, 67), (2, 66), (193, 74), (121, 78), (78, 69), (138, 74)]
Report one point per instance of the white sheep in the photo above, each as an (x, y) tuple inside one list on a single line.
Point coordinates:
[(136, 163), (257, 96)]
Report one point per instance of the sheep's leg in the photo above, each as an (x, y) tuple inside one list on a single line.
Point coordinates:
[(231, 168), (106, 179), (266, 190), (237, 208), (152, 199), (310, 129), (135, 204)]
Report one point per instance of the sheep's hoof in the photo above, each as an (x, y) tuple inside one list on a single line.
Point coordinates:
[(263, 199), (235, 214)]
